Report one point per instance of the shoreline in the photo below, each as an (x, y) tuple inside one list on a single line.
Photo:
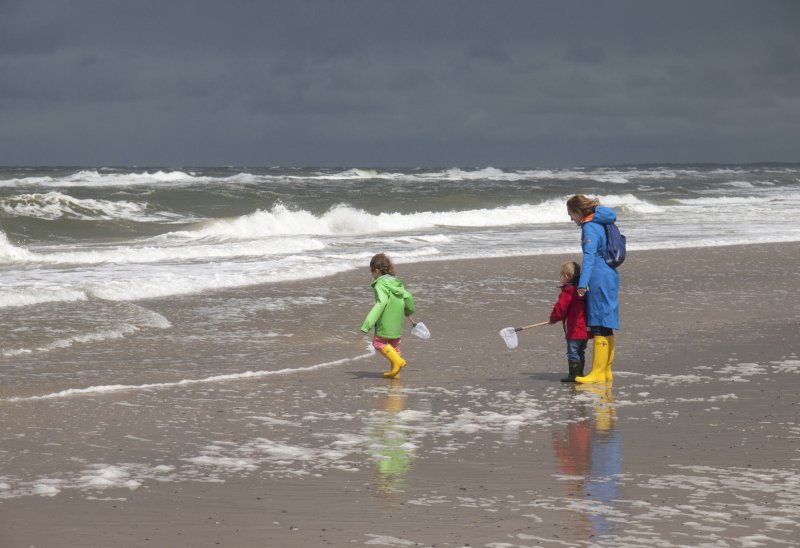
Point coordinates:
[(695, 441)]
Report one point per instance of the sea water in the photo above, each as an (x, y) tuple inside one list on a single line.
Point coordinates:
[(82, 250), (125, 235)]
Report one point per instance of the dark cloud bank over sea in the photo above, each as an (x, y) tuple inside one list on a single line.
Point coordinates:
[(398, 83)]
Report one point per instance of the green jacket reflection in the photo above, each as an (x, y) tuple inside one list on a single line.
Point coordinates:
[(392, 302)]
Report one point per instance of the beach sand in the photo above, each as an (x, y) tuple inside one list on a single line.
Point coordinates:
[(695, 442)]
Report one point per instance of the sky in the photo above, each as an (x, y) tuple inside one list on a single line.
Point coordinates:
[(404, 83)]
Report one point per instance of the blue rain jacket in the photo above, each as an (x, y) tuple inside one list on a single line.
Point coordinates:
[(600, 280)]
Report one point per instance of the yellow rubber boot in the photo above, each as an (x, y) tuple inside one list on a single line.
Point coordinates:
[(609, 376), (397, 361), (599, 362)]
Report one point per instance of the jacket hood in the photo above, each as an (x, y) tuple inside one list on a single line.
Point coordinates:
[(604, 215), (391, 284)]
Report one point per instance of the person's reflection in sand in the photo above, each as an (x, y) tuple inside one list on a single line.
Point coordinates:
[(589, 452), (572, 451), (390, 448)]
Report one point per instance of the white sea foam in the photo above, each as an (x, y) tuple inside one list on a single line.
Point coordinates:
[(739, 184), (766, 201), (628, 203), (285, 303), (284, 243), (168, 284), (605, 175), (142, 319), (228, 463), (121, 282), (56, 205), (96, 477), (355, 173), (94, 336), (104, 389), (94, 178), (107, 476), (787, 366), (159, 249), (611, 175), (38, 295), (293, 453), (11, 253), (47, 487), (386, 540), (347, 220)]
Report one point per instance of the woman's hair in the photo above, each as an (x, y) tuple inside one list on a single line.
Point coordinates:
[(572, 270), (583, 205), (382, 263)]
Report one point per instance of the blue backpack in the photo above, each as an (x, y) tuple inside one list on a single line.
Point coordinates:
[(615, 246)]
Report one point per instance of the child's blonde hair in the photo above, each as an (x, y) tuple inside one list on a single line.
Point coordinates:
[(571, 270), (382, 263)]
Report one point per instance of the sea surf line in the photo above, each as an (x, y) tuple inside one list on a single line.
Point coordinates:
[(185, 382)]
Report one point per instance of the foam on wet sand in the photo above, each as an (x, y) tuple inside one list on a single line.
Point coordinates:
[(696, 442)]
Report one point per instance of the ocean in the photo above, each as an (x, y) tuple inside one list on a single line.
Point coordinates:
[(83, 250), (125, 235)]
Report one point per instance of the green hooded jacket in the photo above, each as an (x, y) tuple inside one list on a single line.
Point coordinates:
[(392, 302)]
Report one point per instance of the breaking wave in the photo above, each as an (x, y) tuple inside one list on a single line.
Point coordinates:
[(347, 220), (56, 205), (94, 178)]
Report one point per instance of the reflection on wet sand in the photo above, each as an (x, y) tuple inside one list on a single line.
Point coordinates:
[(390, 447), (588, 450)]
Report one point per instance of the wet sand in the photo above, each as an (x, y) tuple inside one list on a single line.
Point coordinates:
[(695, 443)]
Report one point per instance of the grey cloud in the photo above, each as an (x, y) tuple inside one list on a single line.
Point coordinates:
[(412, 83)]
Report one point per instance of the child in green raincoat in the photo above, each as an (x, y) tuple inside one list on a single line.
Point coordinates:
[(392, 302)]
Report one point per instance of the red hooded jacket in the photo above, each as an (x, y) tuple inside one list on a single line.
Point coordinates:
[(571, 310)]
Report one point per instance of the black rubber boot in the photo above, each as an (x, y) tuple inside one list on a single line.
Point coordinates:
[(580, 368), (575, 368)]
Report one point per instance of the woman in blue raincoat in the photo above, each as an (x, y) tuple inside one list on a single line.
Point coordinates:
[(598, 281)]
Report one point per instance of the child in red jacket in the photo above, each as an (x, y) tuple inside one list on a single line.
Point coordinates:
[(570, 309)]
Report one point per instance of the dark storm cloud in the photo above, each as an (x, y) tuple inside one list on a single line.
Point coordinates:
[(398, 83)]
